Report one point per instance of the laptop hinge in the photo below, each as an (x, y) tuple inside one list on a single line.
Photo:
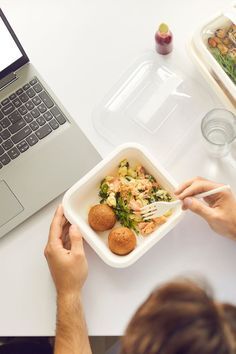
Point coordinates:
[(7, 80)]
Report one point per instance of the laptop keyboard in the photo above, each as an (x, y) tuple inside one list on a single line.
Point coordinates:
[(27, 116)]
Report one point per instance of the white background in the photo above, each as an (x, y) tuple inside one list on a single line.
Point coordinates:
[(8, 49), (81, 48)]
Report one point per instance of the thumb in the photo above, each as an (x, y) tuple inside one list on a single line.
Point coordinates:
[(198, 207), (76, 239)]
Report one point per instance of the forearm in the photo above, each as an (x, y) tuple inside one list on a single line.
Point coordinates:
[(71, 331)]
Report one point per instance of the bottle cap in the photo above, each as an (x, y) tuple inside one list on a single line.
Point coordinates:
[(163, 28)]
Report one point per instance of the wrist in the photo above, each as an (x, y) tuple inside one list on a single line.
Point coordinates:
[(68, 297)]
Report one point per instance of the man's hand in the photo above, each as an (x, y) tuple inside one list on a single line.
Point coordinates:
[(65, 256), (69, 269), (219, 210)]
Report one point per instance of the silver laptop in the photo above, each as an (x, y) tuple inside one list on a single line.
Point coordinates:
[(42, 150)]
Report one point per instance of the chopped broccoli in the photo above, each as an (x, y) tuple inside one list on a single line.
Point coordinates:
[(103, 192)]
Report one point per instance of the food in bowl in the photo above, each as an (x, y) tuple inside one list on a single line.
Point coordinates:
[(122, 195), (223, 47), (121, 240), (101, 217), (127, 191)]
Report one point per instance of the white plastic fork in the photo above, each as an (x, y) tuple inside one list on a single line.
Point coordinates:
[(157, 209)]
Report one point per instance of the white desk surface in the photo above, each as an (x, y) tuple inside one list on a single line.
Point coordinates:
[(81, 48)]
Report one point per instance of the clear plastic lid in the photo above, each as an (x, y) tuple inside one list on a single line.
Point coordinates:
[(152, 104)]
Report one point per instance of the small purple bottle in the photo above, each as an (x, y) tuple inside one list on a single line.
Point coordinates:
[(164, 40)]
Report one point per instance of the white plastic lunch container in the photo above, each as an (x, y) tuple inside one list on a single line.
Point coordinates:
[(211, 79), (200, 40), (82, 195)]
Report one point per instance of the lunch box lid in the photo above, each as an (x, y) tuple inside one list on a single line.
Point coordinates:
[(154, 103)]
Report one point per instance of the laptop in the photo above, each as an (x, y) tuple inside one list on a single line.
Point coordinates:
[(42, 150)]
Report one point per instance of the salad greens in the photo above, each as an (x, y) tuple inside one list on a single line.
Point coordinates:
[(125, 215), (226, 62)]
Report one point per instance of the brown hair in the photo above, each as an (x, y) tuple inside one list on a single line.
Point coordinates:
[(181, 318)]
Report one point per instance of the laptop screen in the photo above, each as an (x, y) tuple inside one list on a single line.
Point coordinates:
[(12, 55)]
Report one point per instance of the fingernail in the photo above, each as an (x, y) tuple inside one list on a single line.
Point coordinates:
[(187, 202)]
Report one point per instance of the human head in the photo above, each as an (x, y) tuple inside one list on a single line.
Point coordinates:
[(181, 318)]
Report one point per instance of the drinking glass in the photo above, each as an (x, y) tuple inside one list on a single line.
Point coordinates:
[(219, 131)]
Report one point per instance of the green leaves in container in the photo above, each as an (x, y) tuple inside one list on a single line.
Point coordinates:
[(159, 195), (103, 192), (227, 62), (150, 178), (124, 214)]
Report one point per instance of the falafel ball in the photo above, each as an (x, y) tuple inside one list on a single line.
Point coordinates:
[(101, 217), (121, 241)]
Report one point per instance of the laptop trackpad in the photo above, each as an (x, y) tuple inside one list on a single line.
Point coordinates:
[(9, 204)]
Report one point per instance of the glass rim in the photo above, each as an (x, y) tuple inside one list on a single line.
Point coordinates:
[(202, 122)]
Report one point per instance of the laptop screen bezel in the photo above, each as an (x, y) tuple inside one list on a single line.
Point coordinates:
[(19, 62)]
